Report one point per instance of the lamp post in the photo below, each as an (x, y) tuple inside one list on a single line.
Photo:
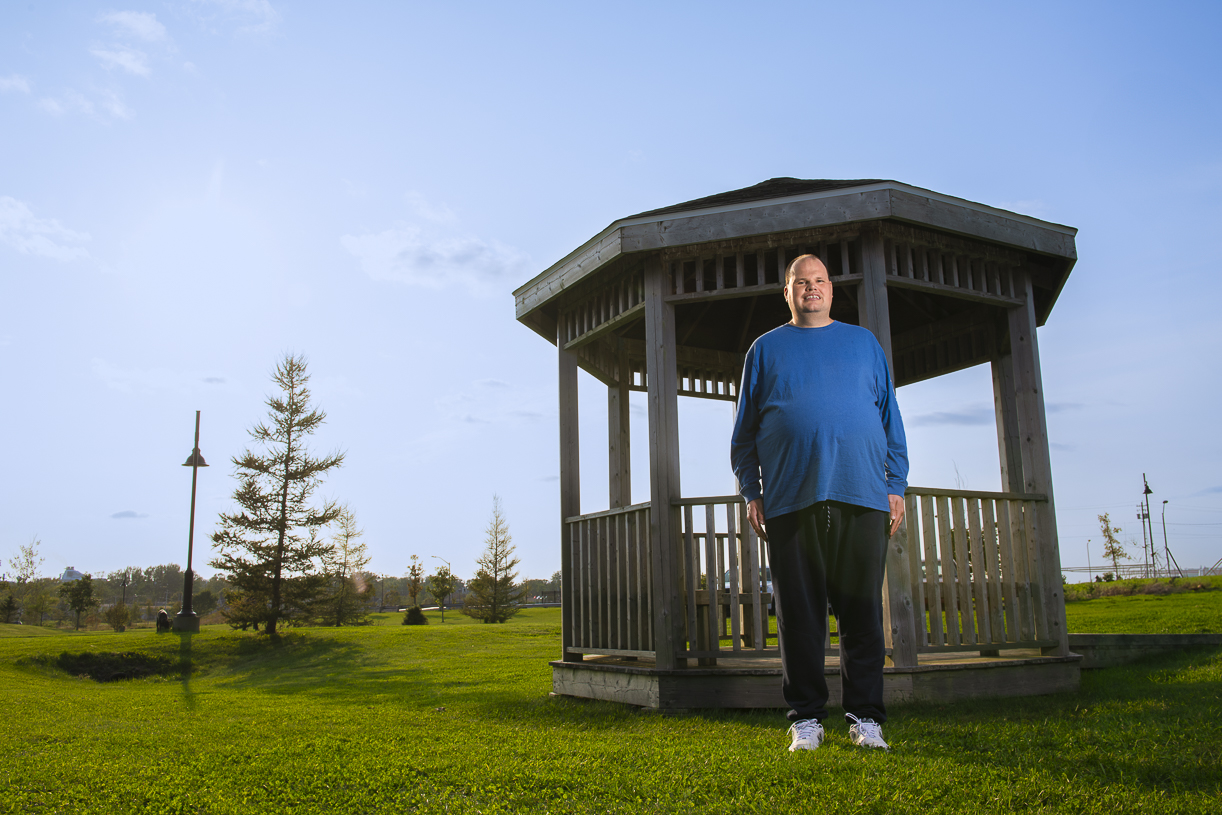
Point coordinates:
[(1146, 493), (187, 620), (1090, 575), (441, 601)]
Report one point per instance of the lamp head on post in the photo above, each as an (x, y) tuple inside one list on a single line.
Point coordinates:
[(196, 459)]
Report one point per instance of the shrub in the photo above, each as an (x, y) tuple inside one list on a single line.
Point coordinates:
[(415, 616)]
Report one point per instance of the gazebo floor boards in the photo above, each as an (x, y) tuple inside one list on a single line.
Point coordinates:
[(756, 683)]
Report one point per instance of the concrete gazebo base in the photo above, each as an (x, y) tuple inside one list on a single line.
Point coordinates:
[(757, 683)]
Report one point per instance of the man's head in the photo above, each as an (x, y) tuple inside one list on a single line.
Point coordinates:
[(808, 292)]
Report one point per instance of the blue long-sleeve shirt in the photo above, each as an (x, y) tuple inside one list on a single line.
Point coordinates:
[(817, 418)]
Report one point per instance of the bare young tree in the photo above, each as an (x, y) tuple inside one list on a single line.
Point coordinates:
[(270, 549), (1113, 549), (27, 562), (493, 596), (415, 580), (348, 556)]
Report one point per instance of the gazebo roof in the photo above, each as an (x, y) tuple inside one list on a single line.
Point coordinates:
[(781, 206), (772, 188)]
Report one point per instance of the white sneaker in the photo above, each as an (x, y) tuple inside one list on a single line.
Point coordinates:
[(866, 733), (807, 734)]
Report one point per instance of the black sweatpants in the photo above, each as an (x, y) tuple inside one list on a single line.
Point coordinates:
[(830, 553)]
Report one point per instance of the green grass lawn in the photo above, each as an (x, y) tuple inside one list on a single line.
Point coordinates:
[(456, 718), (1188, 613)]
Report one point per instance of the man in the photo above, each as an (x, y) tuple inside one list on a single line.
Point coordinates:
[(817, 419)]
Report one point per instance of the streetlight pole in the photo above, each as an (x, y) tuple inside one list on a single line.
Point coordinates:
[(442, 601), (1146, 493), (1090, 575), (187, 620)]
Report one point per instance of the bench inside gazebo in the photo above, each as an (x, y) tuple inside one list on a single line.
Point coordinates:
[(665, 603)]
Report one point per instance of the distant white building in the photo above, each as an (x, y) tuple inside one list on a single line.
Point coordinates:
[(69, 575)]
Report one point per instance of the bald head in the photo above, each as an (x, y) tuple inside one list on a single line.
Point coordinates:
[(808, 292)]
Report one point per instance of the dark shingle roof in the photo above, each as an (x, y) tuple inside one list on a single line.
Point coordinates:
[(772, 188)]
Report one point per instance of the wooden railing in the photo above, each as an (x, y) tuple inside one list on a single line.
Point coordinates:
[(608, 601), (726, 584), (966, 571)]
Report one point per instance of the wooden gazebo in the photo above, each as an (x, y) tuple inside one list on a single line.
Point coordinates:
[(665, 603)]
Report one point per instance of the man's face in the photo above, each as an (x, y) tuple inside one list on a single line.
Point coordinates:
[(809, 293)]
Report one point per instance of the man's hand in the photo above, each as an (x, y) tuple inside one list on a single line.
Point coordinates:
[(897, 511), (755, 514)]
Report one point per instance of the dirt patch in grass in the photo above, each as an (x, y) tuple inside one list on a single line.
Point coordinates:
[(111, 667)]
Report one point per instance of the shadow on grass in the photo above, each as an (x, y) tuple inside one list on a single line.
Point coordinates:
[(1157, 723)]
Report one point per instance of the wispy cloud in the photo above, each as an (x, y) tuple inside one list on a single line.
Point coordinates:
[(108, 103), (14, 83), (249, 16), (432, 251), (972, 416), (1061, 407), (150, 380), (138, 24), (129, 59), (1208, 491), (43, 237), (128, 513)]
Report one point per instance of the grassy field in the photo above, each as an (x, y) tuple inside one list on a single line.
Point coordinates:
[(1189, 613), (456, 718)]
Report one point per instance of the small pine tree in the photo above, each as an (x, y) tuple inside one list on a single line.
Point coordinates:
[(8, 609), (415, 616), (493, 596), (1113, 550), (269, 548)]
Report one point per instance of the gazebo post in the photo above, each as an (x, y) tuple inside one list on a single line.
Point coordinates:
[(873, 312), (619, 435), (570, 487), (872, 306), (1037, 464), (1009, 447), (663, 409)]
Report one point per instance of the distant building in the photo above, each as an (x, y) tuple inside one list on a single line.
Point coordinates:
[(69, 575)]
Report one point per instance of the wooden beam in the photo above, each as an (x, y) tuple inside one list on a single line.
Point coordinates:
[(941, 212), (593, 255), (619, 436), (951, 291), (1009, 448), (619, 321), (900, 633), (570, 492), (663, 410), (872, 309), (1037, 463)]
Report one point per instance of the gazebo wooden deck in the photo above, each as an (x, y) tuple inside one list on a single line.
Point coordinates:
[(665, 603)]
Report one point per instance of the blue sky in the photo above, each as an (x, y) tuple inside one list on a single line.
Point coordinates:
[(192, 188)]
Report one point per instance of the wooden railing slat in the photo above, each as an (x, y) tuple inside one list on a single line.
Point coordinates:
[(992, 563), (979, 572), (933, 593), (963, 581), (946, 548)]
